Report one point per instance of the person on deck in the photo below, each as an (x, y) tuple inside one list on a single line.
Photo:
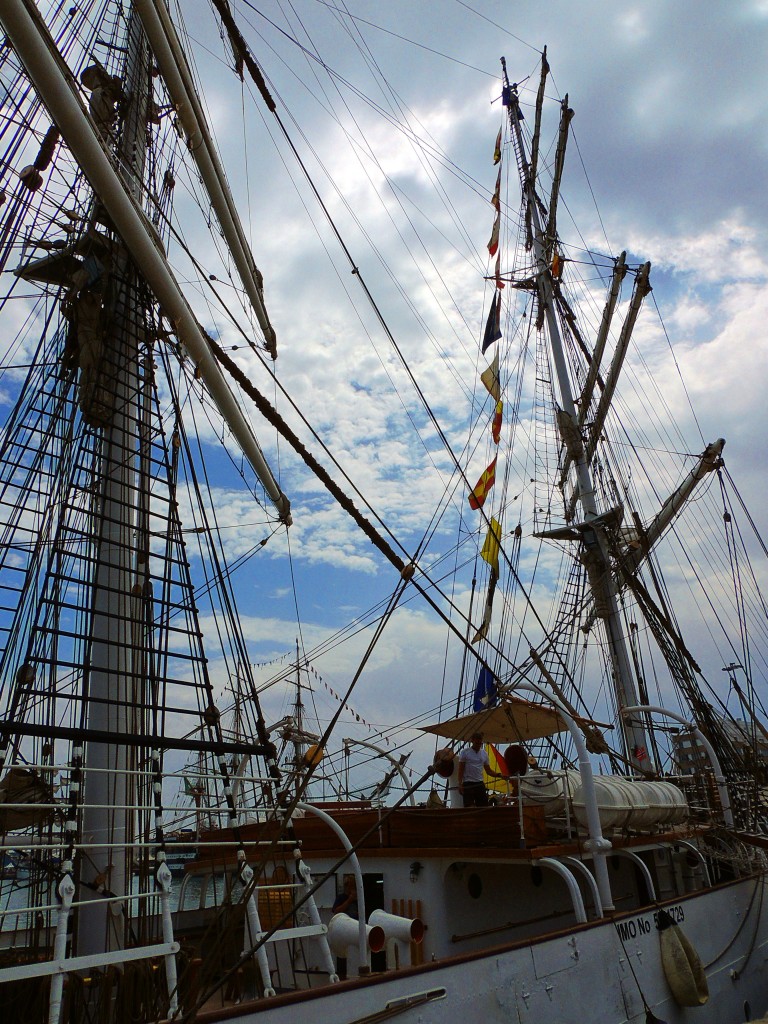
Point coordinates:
[(346, 900), (473, 761)]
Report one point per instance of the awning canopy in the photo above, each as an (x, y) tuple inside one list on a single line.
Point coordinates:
[(513, 720)]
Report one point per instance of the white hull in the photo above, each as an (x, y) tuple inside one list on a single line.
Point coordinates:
[(605, 971)]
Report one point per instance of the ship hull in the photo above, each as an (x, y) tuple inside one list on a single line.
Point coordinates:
[(608, 971)]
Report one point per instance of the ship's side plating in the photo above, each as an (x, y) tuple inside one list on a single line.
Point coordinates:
[(612, 966)]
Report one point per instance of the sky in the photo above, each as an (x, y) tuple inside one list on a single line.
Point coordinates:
[(393, 109), (667, 159)]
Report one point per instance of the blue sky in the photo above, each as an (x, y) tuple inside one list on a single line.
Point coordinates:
[(667, 159), (394, 108)]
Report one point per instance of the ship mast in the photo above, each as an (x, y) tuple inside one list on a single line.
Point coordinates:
[(37, 51), (298, 735), (594, 547), (115, 617), (111, 366)]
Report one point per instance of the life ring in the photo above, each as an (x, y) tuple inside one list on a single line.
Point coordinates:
[(682, 966)]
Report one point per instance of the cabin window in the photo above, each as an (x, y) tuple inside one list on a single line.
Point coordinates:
[(475, 886), (373, 887)]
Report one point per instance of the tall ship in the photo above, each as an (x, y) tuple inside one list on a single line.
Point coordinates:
[(576, 816)]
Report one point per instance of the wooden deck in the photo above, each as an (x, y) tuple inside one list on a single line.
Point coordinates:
[(472, 832)]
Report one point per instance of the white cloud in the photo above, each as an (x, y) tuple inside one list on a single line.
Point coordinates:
[(660, 141), (673, 142)]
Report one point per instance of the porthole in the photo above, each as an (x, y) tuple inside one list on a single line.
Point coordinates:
[(475, 886)]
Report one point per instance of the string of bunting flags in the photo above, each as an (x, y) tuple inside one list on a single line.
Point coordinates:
[(311, 670), (347, 707), (491, 380)]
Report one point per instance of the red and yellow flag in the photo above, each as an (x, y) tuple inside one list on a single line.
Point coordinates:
[(496, 424), (493, 241), (483, 486), (497, 148), (496, 763), (496, 198)]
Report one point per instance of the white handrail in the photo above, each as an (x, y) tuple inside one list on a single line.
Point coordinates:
[(386, 754), (597, 844), (561, 869), (722, 789), (355, 864), (579, 865), (630, 855)]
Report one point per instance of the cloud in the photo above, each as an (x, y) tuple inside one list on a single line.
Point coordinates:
[(671, 145), (667, 159)]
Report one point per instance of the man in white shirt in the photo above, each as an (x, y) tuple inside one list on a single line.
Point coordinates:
[(473, 761)]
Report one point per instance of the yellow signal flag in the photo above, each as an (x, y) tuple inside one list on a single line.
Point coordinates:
[(491, 380), (490, 549), (497, 764)]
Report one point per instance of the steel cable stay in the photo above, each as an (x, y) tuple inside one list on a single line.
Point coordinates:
[(118, 604)]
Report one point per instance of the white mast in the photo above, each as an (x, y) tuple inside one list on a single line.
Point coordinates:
[(178, 78), (594, 541), (31, 40), (108, 824), (709, 461)]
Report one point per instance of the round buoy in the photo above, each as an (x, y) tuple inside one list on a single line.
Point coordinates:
[(517, 760), (443, 763), (31, 177), (313, 755)]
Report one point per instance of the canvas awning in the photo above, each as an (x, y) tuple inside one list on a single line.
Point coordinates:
[(513, 720)]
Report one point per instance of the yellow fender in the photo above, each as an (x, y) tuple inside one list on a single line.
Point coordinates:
[(682, 966)]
